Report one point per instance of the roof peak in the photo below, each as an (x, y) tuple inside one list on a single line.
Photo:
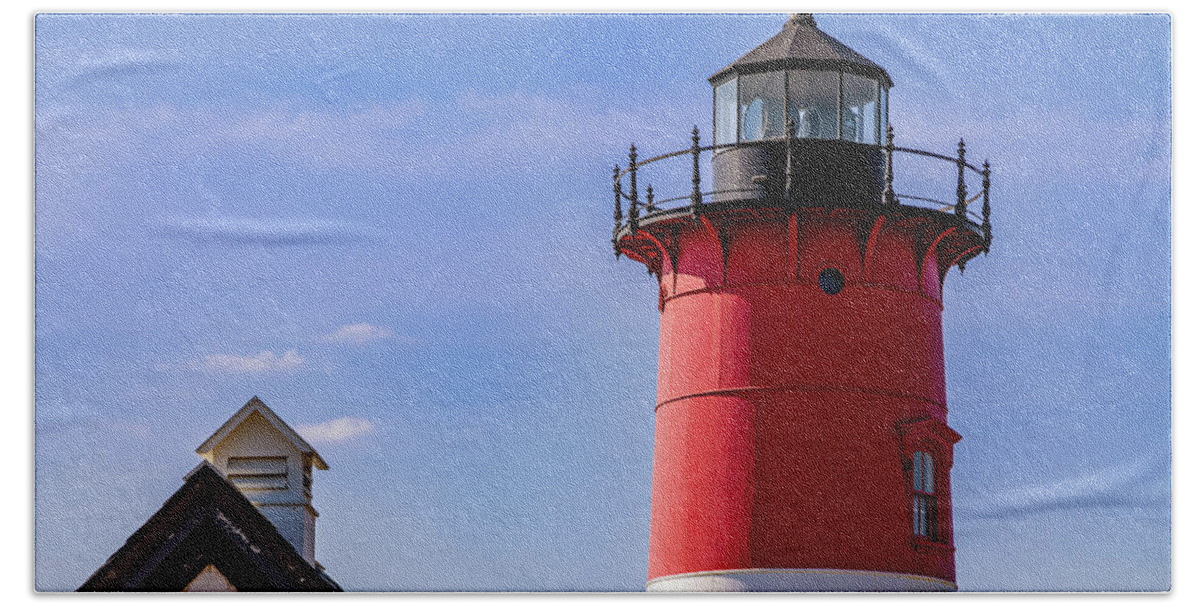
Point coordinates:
[(801, 45), (155, 556), (801, 19), (253, 406)]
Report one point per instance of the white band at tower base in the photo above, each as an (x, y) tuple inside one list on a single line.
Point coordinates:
[(772, 579)]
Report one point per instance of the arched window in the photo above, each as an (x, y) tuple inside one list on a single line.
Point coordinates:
[(925, 520), (926, 455)]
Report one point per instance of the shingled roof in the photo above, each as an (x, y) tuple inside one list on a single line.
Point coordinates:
[(207, 522), (801, 46)]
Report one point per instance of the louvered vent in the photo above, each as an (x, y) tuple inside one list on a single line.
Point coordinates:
[(258, 473)]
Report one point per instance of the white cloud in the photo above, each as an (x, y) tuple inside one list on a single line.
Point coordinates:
[(358, 334), (377, 137), (1131, 483), (503, 134), (527, 131), (333, 431), (265, 361), (264, 231)]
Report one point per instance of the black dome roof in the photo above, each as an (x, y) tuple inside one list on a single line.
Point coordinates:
[(802, 46)]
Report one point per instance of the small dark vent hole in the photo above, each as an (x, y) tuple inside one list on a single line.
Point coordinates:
[(831, 281)]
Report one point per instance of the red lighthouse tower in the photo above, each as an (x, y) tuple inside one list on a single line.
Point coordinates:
[(800, 429)]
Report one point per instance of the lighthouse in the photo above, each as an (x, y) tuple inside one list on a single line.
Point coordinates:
[(801, 438)]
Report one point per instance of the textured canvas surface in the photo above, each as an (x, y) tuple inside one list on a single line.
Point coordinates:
[(395, 230)]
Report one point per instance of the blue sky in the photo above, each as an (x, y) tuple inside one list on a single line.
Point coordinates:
[(394, 230)]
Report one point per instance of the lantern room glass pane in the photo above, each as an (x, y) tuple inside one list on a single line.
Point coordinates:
[(860, 109), (883, 116), (813, 103), (725, 112), (761, 106)]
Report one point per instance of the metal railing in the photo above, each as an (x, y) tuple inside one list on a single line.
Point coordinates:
[(697, 199)]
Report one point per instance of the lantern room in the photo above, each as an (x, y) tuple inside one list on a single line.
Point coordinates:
[(804, 91), (804, 77)]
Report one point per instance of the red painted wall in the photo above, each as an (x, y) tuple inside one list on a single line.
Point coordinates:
[(776, 439)]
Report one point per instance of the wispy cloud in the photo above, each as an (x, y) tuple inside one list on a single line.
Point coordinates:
[(336, 430), (264, 231), (358, 334), (521, 131), (379, 137), (263, 362), (1129, 484), (526, 130)]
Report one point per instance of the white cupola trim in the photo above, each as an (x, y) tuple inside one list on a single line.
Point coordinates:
[(256, 405)]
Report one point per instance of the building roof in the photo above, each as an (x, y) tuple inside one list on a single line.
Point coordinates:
[(802, 46), (256, 405), (207, 522)]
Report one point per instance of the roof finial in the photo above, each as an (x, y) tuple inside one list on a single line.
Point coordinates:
[(802, 19)]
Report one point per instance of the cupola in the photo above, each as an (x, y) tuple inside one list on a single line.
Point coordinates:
[(271, 464)]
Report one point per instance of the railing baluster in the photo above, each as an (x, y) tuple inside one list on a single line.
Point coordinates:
[(672, 207), (790, 127), (616, 208), (987, 207), (696, 196), (889, 194), (960, 208), (633, 191)]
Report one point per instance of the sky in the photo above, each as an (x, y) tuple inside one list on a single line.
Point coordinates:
[(394, 229)]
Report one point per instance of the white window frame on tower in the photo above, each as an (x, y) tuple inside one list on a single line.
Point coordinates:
[(925, 499), (926, 457)]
